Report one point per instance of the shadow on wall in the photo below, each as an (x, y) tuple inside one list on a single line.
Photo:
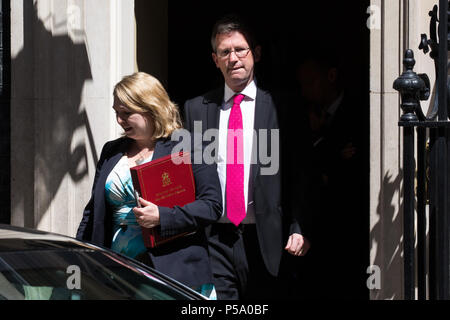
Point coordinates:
[(49, 75), (389, 254)]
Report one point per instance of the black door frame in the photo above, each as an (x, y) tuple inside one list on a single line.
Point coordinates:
[(5, 112)]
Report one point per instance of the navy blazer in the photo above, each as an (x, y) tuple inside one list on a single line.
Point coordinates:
[(266, 188), (185, 259)]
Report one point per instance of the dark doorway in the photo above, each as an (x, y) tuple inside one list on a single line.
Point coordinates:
[(281, 29), (151, 37), (286, 31)]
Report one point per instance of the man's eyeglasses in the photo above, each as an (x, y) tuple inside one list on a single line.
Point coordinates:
[(240, 52)]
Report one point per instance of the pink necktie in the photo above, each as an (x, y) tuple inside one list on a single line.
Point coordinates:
[(235, 164)]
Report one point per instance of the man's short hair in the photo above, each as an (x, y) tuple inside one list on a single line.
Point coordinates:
[(231, 23)]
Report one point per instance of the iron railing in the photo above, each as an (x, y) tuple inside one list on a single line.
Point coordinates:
[(432, 170)]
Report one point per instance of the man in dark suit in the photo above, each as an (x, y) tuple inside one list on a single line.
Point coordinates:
[(246, 244)]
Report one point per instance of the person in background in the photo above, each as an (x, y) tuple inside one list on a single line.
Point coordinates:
[(337, 170)]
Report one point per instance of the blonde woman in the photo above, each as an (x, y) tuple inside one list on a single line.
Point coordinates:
[(112, 217)]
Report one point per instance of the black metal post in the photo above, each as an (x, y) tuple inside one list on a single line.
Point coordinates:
[(421, 214), (442, 166), (410, 86), (433, 253), (408, 212), (441, 215)]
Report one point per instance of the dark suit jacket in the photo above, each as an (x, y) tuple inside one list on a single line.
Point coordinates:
[(186, 259), (266, 188), (345, 176)]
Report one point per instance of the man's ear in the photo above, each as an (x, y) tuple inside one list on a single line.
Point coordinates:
[(332, 75), (257, 53), (215, 59)]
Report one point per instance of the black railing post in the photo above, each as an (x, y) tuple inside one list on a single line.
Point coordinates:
[(410, 86), (442, 165), (421, 214), (408, 212), (437, 166), (433, 253)]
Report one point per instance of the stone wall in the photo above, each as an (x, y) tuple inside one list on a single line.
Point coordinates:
[(66, 57), (397, 25)]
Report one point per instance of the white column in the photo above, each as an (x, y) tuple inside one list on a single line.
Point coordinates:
[(385, 176)]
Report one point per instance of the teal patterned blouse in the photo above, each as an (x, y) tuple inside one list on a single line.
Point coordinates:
[(127, 239), (120, 197)]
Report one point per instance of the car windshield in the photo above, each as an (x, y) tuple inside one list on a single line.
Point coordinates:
[(74, 273)]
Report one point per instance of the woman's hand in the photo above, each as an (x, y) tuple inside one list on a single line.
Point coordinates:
[(148, 215)]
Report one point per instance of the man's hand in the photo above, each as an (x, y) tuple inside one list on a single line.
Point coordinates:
[(348, 151), (297, 245), (148, 215)]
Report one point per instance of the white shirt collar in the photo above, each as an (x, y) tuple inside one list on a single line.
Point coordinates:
[(249, 92)]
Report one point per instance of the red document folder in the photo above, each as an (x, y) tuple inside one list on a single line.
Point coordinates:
[(167, 182)]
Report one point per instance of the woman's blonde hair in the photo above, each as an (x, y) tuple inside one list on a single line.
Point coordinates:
[(144, 94)]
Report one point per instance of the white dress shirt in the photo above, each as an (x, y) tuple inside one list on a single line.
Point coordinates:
[(248, 117)]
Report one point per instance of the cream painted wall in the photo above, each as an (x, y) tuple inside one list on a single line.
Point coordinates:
[(66, 57)]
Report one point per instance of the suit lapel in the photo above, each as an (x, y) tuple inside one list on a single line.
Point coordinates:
[(259, 123), (260, 111), (214, 103), (116, 156), (163, 147)]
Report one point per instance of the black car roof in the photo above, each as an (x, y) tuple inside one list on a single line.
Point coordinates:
[(14, 238), (19, 238)]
